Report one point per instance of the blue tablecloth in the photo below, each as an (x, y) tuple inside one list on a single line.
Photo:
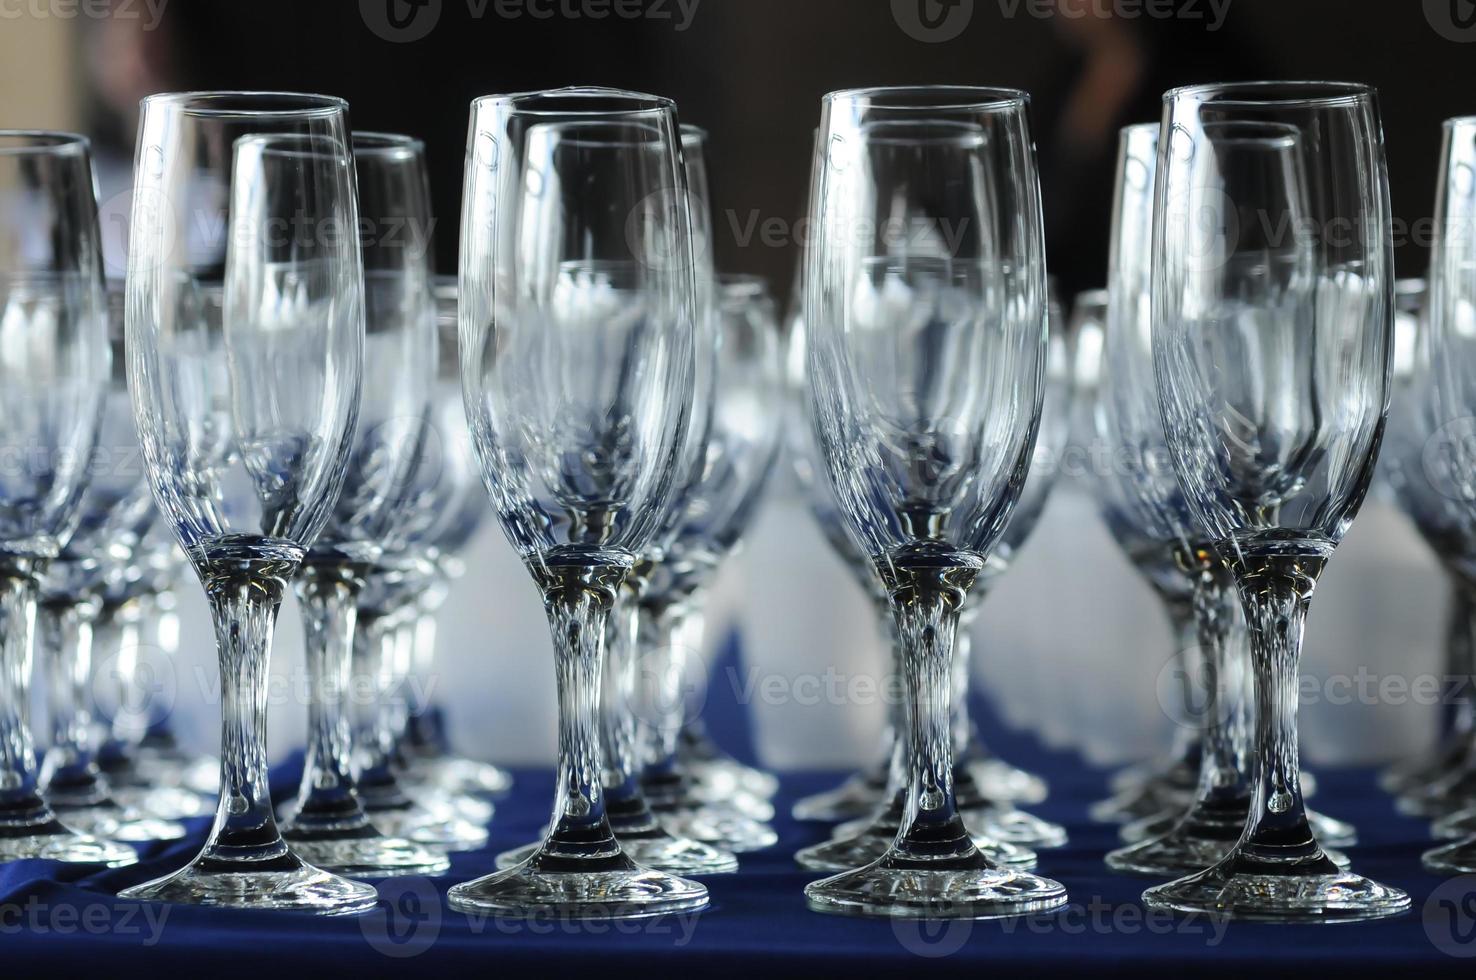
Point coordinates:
[(66, 917)]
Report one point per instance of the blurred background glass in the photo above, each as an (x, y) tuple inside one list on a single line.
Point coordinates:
[(1076, 641)]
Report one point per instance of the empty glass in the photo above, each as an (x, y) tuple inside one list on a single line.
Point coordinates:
[(326, 824), (577, 305), (245, 339), (926, 309), (1272, 318), (54, 369)]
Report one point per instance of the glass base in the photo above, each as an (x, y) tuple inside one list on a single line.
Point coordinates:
[(107, 819), (882, 889), (705, 762), (1455, 826), (419, 825), (1327, 830), (853, 799), (711, 825), (163, 802), (1458, 858), (1190, 847), (1320, 894), (999, 780), (615, 890), (1006, 825), (365, 853), (471, 808), (1141, 802), (872, 842), (284, 883), (29, 830), (460, 776), (663, 852), (1452, 793)]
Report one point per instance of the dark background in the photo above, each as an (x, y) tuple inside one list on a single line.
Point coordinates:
[(752, 72)]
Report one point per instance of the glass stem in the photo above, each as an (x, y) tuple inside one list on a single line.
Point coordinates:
[(327, 594), (1276, 591), (374, 656), (245, 594), (963, 648), (667, 628), (1224, 774), (578, 600), (1186, 747), (20, 802), (70, 773), (927, 598), (1460, 666), (618, 724)]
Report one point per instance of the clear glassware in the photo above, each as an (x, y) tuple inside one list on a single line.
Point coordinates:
[(245, 344), (327, 824), (115, 510), (1445, 410), (53, 382), (645, 838), (1272, 316), (577, 304), (926, 309), (386, 608), (1146, 507), (716, 507), (449, 508)]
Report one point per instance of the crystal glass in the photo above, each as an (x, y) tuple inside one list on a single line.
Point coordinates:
[(717, 504), (326, 824), (577, 304), (1272, 315), (114, 513), (449, 508), (54, 371), (926, 307), (245, 353), (1445, 410)]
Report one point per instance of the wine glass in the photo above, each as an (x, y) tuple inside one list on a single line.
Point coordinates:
[(577, 304), (1150, 511), (245, 337), (327, 825), (1444, 410), (717, 505), (115, 511), (644, 837), (54, 373), (449, 508), (1272, 315), (926, 308)]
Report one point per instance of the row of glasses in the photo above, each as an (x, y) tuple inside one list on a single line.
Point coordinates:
[(1272, 321), (55, 372), (925, 357)]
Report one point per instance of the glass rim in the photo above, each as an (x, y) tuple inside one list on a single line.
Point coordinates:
[(1123, 132), (376, 143), (19, 142), (308, 105), (524, 103), (1097, 294), (1459, 122), (697, 133), (1271, 93), (933, 98), (743, 282)]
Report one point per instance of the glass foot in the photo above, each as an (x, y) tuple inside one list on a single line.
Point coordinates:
[(711, 825), (29, 830), (283, 883), (1001, 781), (677, 855), (163, 802), (705, 762), (458, 776), (1458, 858), (1328, 830), (1141, 802), (1455, 826), (1200, 840), (107, 819), (1453, 792), (903, 891), (421, 825), (858, 796), (872, 842), (1314, 890), (611, 888), (370, 855), (1013, 826)]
